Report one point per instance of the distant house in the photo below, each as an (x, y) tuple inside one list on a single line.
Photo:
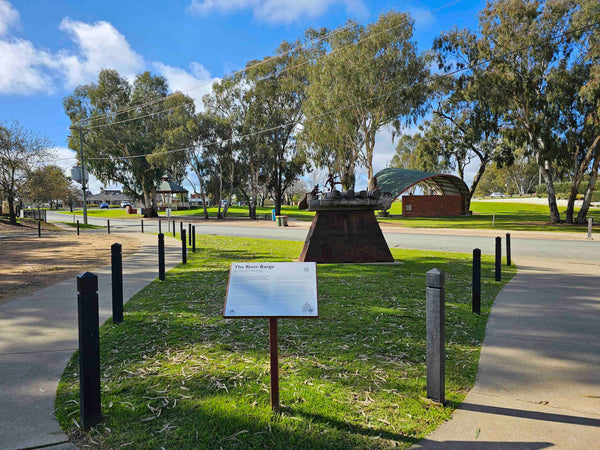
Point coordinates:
[(110, 196)]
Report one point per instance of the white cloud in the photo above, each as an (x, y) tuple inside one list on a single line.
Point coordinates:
[(100, 46), (196, 83), (9, 17), (276, 11), (22, 68)]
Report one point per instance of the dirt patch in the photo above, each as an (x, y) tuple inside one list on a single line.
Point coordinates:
[(25, 226), (29, 263)]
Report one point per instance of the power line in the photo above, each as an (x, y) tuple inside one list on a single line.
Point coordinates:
[(287, 69), (341, 108), (258, 63)]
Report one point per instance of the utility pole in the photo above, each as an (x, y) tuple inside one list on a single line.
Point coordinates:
[(83, 183)]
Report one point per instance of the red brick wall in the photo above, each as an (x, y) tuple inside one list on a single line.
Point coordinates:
[(433, 205)]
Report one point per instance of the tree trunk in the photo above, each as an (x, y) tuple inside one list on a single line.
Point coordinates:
[(554, 214), (476, 179), (587, 198), (577, 179), (12, 218), (150, 204)]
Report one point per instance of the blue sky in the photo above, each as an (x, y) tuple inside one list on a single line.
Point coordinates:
[(47, 48)]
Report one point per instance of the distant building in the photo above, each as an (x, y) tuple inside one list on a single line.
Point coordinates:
[(110, 196)]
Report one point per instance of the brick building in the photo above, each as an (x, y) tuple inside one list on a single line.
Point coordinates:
[(451, 194)]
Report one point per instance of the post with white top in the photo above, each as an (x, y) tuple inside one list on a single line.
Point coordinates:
[(435, 321)]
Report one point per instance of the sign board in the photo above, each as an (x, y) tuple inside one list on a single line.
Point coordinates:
[(76, 174), (272, 290)]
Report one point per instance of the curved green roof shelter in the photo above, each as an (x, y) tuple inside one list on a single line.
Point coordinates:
[(397, 181)]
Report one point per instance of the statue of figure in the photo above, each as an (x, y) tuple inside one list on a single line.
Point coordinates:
[(315, 190), (331, 182)]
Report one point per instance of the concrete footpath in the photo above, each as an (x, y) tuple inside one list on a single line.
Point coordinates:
[(38, 335), (538, 382)]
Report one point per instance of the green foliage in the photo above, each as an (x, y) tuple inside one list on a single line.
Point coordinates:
[(175, 374), (130, 145), (374, 77), (47, 184)]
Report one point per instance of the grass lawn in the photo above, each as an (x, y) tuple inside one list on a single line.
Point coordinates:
[(508, 216), (177, 375), (112, 213)]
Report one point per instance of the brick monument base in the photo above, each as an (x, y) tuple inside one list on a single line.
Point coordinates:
[(339, 236)]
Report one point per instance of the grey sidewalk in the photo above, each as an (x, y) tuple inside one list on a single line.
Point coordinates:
[(538, 382), (38, 334)]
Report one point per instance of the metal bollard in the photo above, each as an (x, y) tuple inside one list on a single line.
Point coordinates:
[(174, 229), (181, 228), (39, 228), (476, 281), (183, 247), (435, 321), (190, 234), (498, 273), (108, 225), (194, 239), (89, 350), (116, 259), (161, 257), (159, 227), (78, 228), (142, 223), (508, 259)]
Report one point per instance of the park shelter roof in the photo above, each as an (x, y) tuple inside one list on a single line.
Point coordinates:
[(170, 187), (397, 181)]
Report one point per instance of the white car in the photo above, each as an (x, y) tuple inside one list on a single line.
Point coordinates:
[(497, 195), (125, 203)]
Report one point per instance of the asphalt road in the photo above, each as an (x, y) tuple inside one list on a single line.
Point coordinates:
[(576, 250)]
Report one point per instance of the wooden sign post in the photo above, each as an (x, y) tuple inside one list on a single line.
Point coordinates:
[(273, 291)]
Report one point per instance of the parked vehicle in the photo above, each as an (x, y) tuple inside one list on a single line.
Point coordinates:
[(497, 195), (103, 205), (125, 203)]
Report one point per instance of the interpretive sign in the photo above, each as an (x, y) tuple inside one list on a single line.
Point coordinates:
[(272, 290)]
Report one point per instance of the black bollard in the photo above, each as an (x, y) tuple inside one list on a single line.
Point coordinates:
[(142, 223), (194, 239), (183, 247), (108, 225), (78, 228), (498, 276), (39, 228), (159, 227), (476, 281), (190, 234), (89, 350), (180, 227), (435, 319), (174, 229), (508, 261), (117, 282), (161, 257)]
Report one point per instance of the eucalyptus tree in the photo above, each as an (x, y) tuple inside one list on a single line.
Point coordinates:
[(277, 90), (526, 40), (466, 106), (587, 23), (48, 184), (133, 133), (21, 151), (372, 77)]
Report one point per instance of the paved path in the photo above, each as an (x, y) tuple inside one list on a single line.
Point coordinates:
[(538, 382), (38, 335)]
